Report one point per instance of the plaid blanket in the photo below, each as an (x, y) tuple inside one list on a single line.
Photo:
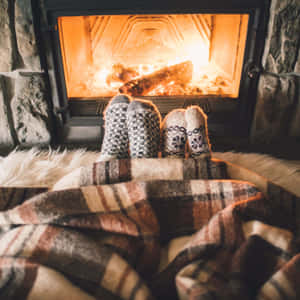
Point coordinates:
[(104, 241)]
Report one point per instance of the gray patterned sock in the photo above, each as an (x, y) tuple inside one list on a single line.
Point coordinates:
[(173, 134), (197, 135), (143, 122), (115, 141)]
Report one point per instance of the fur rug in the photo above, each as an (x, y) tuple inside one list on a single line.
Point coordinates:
[(45, 168)]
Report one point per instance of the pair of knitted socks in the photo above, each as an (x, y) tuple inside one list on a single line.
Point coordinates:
[(135, 125), (185, 127)]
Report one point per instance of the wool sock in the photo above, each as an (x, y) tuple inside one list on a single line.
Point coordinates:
[(143, 122), (115, 141), (197, 134), (173, 134)]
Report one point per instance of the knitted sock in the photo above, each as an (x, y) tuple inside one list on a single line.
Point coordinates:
[(173, 134), (197, 135), (115, 141), (143, 122)]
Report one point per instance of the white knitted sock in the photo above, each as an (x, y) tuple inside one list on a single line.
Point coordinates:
[(197, 135), (173, 134), (143, 122), (115, 141)]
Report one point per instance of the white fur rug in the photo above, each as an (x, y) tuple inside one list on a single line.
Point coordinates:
[(45, 168)]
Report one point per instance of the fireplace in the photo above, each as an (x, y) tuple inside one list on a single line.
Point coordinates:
[(152, 55), (175, 53)]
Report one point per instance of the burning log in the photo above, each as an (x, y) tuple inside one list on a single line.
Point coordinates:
[(121, 74), (179, 73)]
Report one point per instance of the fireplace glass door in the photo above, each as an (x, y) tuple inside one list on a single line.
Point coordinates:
[(152, 54)]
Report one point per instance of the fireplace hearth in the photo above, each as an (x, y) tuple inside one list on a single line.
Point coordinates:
[(205, 53)]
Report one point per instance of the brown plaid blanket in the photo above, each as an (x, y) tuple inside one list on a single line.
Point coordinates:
[(104, 239)]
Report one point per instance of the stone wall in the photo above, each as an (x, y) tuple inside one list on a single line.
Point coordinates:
[(25, 116), (277, 113)]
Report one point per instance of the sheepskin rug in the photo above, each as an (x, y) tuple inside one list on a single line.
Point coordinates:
[(44, 168)]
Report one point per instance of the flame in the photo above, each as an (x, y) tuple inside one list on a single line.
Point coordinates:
[(101, 75), (199, 55), (207, 78)]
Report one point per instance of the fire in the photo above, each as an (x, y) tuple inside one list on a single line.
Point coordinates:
[(199, 55), (153, 55), (206, 78), (101, 76)]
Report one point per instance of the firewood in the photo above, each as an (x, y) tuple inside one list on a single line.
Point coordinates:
[(179, 73), (121, 74)]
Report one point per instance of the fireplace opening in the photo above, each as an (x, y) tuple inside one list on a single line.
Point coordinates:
[(153, 55), (174, 53)]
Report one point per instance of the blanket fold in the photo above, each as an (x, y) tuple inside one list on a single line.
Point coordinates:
[(103, 239), (145, 169)]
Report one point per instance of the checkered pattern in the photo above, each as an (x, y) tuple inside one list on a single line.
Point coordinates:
[(115, 142), (122, 170), (144, 133), (104, 241)]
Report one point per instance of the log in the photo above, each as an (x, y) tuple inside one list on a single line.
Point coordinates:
[(180, 73), (121, 74)]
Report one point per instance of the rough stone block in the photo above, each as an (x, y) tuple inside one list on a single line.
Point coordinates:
[(274, 108), (6, 40), (297, 67), (31, 112), (282, 43), (294, 130), (25, 35), (6, 138)]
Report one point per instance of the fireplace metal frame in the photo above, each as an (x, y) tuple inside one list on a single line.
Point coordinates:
[(81, 121)]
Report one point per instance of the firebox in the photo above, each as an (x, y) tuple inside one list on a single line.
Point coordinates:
[(153, 55), (175, 53)]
